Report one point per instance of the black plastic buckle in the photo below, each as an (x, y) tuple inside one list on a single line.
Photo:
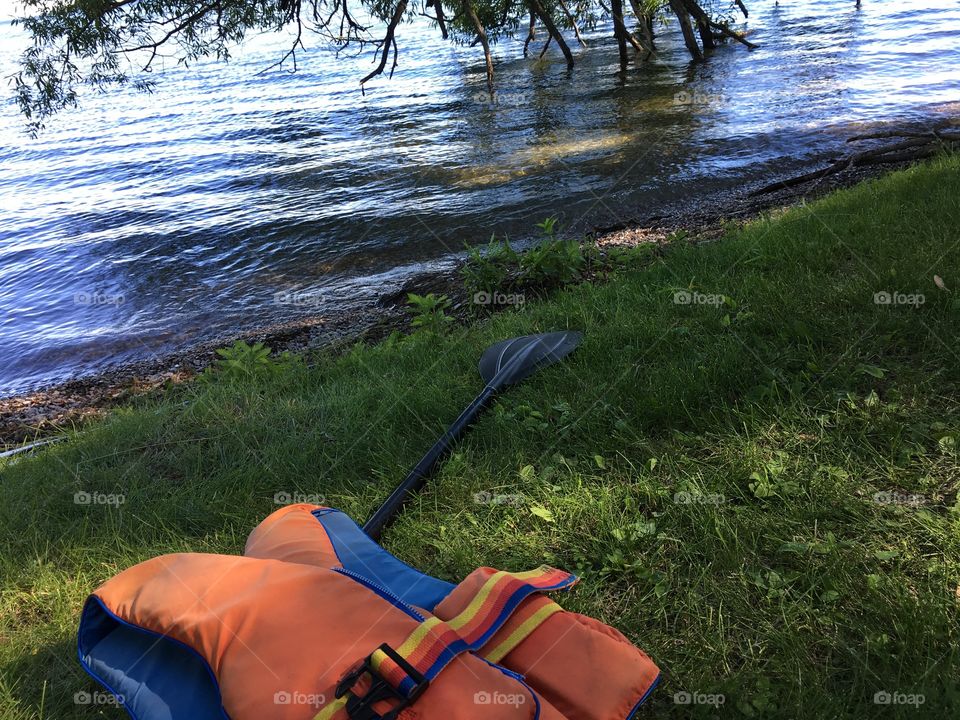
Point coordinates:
[(361, 707)]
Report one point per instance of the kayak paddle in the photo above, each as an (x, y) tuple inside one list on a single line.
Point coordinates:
[(503, 364)]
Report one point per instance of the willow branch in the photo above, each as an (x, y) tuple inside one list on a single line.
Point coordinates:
[(531, 33), (388, 43), (482, 37), (573, 22), (536, 7), (727, 32)]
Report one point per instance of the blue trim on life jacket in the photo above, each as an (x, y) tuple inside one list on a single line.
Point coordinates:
[(148, 672), (362, 556), (520, 679), (533, 694), (643, 699)]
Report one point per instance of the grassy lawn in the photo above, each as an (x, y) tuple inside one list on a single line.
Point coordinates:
[(760, 492)]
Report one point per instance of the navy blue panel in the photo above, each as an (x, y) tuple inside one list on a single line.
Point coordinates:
[(361, 555), (157, 677)]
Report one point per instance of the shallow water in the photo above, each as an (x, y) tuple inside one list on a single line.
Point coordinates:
[(230, 199)]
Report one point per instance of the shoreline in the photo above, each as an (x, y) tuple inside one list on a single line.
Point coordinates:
[(50, 410)]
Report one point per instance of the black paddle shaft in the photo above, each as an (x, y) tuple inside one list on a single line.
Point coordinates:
[(418, 476), (503, 364)]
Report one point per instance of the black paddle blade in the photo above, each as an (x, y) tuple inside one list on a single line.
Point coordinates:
[(510, 361)]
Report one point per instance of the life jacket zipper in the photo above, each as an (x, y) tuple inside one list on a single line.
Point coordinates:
[(382, 591)]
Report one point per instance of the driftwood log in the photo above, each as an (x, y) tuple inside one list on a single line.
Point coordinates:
[(909, 145)]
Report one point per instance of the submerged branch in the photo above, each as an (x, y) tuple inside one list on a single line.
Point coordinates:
[(727, 32), (912, 146), (686, 28), (537, 8), (531, 34)]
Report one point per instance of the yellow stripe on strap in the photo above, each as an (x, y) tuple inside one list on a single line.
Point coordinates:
[(331, 710), (522, 632), (470, 611), (424, 629)]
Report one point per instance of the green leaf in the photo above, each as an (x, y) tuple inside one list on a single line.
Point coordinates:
[(601, 463), (761, 487), (872, 370), (645, 528), (541, 512)]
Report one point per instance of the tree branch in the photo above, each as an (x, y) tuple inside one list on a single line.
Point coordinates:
[(573, 22), (537, 8), (387, 43), (680, 10), (727, 32), (482, 36), (531, 33), (437, 5)]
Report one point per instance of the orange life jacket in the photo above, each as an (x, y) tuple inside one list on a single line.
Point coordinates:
[(317, 622)]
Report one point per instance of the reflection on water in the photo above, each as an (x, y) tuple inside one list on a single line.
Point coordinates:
[(557, 150), (140, 224)]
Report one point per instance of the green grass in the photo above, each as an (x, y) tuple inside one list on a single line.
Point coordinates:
[(785, 585)]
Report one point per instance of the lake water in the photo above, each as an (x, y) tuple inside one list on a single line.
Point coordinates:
[(230, 200)]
